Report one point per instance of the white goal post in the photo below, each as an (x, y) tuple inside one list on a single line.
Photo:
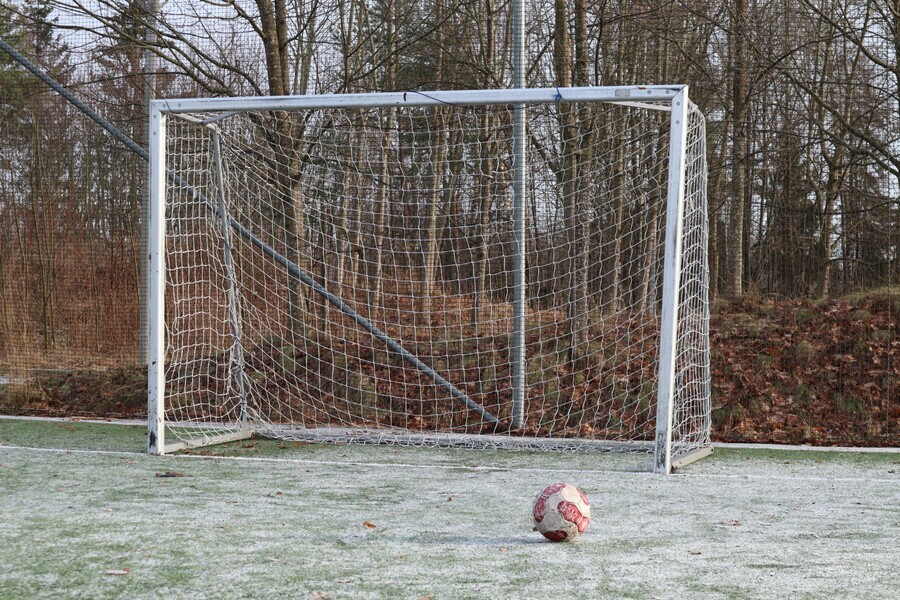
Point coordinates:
[(410, 267)]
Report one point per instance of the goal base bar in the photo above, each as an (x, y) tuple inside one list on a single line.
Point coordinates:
[(349, 435), (207, 441), (692, 456)]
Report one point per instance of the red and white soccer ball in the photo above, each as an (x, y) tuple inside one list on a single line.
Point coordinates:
[(561, 512)]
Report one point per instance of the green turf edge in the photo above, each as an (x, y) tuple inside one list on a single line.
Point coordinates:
[(78, 435)]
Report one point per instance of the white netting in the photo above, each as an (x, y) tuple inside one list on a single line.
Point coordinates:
[(341, 222), (691, 404)]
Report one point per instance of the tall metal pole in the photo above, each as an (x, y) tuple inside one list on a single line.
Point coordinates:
[(518, 341), (150, 68)]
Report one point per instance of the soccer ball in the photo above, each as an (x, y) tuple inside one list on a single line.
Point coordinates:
[(561, 512)]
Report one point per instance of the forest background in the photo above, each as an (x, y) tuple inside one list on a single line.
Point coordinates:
[(802, 99)]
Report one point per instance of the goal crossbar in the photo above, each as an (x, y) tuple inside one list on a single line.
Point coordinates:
[(624, 95)]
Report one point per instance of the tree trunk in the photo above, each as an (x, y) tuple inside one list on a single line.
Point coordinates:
[(572, 197), (381, 209), (487, 165), (453, 231), (438, 168), (739, 157)]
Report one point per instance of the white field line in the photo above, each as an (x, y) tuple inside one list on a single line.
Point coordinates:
[(377, 465), (799, 448), (327, 463), (110, 421), (123, 453), (789, 478), (808, 448)]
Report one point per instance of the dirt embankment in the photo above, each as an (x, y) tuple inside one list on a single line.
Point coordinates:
[(808, 372), (824, 373)]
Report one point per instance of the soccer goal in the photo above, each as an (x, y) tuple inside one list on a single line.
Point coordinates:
[(519, 268)]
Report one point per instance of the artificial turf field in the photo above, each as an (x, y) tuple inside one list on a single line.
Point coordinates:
[(84, 513)]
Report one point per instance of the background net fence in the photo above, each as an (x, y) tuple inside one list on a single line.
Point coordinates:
[(70, 249)]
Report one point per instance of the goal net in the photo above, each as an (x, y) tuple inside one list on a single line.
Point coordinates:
[(417, 268)]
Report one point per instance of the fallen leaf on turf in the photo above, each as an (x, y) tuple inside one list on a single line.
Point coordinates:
[(370, 524), (124, 571), (273, 559), (345, 580), (171, 474), (424, 597), (503, 549), (730, 523)]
